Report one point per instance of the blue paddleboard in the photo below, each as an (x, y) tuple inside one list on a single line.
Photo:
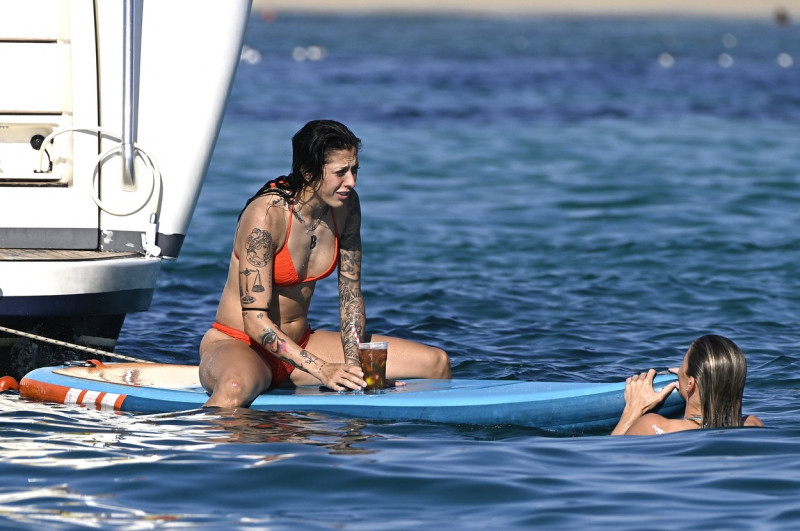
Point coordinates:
[(156, 388)]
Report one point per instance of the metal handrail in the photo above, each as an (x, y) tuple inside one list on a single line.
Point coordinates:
[(130, 81)]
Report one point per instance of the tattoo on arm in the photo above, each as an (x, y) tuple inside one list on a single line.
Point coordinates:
[(350, 242), (352, 315), (351, 302), (259, 247), (270, 341), (309, 362), (265, 310), (350, 263)]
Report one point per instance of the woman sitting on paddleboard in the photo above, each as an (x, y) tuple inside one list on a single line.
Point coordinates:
[(710, 380), (293, 232)]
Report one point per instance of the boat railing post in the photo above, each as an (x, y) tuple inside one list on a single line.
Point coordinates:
[(129, 82)]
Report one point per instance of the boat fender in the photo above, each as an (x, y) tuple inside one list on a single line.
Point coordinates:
[(149, 238), (7, 383)]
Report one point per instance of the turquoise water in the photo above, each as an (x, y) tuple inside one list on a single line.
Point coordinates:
[(547, 199)]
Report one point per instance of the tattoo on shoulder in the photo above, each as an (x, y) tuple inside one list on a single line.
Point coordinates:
[(259, 246)]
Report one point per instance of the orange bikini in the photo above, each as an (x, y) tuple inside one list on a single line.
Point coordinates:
[(281, 370), (285, 273)]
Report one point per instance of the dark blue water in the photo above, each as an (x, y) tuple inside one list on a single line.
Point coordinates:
[(554, 199)]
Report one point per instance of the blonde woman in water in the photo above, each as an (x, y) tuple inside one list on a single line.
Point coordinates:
[(711, 381)]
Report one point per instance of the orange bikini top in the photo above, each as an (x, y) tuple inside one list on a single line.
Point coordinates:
[(284, 272)]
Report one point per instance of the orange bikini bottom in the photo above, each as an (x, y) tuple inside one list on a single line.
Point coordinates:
[(281, 370)]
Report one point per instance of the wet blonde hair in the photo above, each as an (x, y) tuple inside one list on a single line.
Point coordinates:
[(719, 368)]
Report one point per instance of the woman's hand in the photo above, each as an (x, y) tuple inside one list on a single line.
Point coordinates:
[(342, 376), (640, 395)]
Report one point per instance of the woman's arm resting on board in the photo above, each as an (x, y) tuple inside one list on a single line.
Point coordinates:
[(640, 397)]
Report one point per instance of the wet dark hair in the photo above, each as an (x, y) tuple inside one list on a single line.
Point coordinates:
[(310, 147), (719, 367)]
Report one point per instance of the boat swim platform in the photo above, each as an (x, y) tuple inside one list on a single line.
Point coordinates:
[(60, 255)]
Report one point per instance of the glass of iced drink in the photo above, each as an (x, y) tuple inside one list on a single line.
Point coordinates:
[(373, 363)]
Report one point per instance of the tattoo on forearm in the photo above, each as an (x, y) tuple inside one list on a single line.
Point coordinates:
[(309, 362), (351, 350), (351, 311), (351, 304), (259, 247), (270, 341)]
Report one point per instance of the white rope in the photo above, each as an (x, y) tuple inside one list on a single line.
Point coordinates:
[(71, 345)]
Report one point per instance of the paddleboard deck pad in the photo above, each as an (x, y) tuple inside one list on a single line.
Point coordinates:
[(159, 388)]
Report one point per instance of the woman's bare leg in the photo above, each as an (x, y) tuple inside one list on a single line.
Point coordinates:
[(232, 372), (407, 359)]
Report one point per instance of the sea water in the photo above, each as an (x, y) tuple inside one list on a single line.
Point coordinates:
[(569, 199)]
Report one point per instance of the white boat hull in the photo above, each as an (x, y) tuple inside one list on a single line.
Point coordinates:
[(87, 91), (65, 287)]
